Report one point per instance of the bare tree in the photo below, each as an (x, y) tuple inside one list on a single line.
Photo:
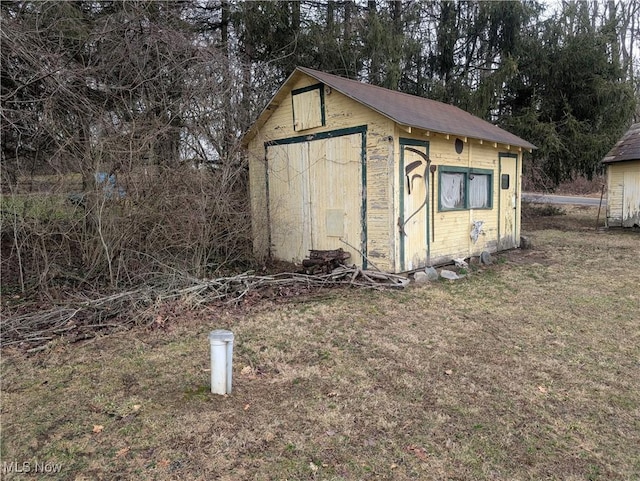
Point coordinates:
[(133, 111)]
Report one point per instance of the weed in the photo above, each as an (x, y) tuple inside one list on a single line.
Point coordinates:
[(200, 392), (594, 473), (324, 355)]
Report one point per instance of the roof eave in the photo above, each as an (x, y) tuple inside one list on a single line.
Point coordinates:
[(614, 160), (271, 106), (523, 145), (283, 90)]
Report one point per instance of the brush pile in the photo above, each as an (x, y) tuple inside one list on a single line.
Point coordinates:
[(83, 318)]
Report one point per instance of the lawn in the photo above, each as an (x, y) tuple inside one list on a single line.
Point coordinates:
[(527, 369)]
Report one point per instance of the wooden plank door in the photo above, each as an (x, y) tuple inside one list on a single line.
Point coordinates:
[(315, 197), (631, 197), (336, 185), (414, 208), (289, 200), (508, 201)]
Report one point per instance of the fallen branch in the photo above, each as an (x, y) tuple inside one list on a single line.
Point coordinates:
[(84, 318)]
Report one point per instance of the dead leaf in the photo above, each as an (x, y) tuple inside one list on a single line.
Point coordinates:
[(163, 463), (136, 407), (420, 452), (122, 452), (393, 466), (542, 389), (246, 370), (97, 428)]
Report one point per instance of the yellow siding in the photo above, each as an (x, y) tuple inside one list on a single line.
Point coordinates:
[(615, 193), (450, 235), (623, 194), (340, 112)]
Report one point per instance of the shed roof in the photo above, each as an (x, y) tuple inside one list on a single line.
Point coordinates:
[(627, 148), (404, 109)]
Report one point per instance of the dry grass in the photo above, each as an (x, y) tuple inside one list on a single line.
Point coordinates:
[(526, 370)]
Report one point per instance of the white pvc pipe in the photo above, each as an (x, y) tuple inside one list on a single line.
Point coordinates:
[(221, 342)]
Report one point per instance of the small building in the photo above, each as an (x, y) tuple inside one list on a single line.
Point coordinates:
[(623, 180), (400, 182)]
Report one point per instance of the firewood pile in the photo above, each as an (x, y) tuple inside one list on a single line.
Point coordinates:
[(324, 260), (82, 318)]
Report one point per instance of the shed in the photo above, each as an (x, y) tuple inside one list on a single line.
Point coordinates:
[(623, 180), (399, 181)]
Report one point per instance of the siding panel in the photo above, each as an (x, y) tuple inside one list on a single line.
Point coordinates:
[(623, 194)]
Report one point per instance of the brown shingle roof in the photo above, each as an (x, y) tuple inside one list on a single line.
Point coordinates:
[(419, 112), (627, 148)]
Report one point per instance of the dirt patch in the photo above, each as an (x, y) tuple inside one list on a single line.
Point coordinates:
[(564, 218), (535, 255)]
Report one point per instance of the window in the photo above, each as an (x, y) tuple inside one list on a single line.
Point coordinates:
[(452, 190), (479, 191), (459, 145), (308, 107), (462, 188), (505, 181)]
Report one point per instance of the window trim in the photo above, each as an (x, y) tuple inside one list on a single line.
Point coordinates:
[(445, 169), (309, 88)]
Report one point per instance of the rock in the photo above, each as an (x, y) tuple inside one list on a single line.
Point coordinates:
[(431, 273), (420, 277), (485, 258), (525, 242), (446, 274)]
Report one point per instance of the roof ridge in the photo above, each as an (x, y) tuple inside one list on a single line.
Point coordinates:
[(396, 92)]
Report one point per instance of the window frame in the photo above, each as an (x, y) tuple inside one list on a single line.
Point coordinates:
[(445, 169)]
